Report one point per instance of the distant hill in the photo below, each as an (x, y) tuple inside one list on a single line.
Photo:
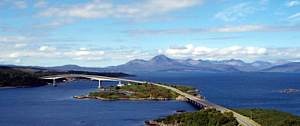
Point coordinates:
[(287, 68), (162, 63), (19, 77), (243, 66), (28, 76), (74, 68)]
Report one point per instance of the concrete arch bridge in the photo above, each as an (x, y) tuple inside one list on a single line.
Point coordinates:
[(100, 79)]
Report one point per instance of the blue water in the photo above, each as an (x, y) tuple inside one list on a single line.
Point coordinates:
[(49, 106), (240, 90)]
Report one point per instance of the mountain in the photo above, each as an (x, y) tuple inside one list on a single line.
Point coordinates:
[(162, 63), (243, 66), (287, 68), (74, 68)]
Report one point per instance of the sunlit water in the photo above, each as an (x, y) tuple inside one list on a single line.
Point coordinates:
[(50, 106)]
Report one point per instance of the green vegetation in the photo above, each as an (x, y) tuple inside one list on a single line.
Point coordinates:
[(21, 76), (187, 89), (18, 78), (208, 117), (135, 91), (270, 117)]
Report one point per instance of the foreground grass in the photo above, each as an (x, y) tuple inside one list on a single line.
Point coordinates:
[(209, 117), (267, 117)]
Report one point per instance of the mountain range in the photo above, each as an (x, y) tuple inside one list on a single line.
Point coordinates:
[(162, 63)]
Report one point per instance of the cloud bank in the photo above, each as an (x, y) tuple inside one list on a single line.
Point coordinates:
[(248, 53)]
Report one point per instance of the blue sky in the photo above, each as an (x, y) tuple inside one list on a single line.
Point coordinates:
[(109, 32)]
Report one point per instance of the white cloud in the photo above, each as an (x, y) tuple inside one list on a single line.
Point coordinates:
[(106, 9), (191, 51), (248, 53), (294, 17), (241, 28), (47, 49), (237, 12), (85, 54), (14, 39), (223, 29), (40, 3), (14, 55), (21, 4), (293, 3), (20, 45)]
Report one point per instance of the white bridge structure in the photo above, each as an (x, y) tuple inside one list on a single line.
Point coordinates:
[(196, 101), (100, 79)]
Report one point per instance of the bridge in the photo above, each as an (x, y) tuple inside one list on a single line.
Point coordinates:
[(100, 79), (196, 101)]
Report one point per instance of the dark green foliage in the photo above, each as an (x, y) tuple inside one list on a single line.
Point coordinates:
[(209, 117), (186, 89), (17, 78), (21, 76), (146, 91), (271, 117)]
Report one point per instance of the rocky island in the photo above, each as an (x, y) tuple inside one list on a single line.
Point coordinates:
[(134, 91)]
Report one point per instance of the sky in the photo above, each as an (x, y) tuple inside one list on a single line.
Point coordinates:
[(101, 33)]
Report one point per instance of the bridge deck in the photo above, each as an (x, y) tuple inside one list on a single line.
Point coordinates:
[(243, 120)]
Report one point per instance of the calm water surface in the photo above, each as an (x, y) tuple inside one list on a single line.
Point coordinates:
[(241, 90), (49, 106)]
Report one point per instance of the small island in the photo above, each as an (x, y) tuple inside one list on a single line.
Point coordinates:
[(135, 91)]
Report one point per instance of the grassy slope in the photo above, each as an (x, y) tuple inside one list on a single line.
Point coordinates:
[(271, 117)]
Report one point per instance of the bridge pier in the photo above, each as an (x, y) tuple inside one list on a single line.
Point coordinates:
[(54, 83), (195, 104), (99, 84)]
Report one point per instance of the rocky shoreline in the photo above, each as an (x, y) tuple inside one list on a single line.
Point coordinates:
[(179, 98)]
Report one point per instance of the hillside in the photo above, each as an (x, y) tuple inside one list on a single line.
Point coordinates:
[(21, 76), (287, 68), (205, 117), (12, 77), (161, 63), (267, 117)]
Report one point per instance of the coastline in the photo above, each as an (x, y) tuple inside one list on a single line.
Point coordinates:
[(179, 98), (9, 87)]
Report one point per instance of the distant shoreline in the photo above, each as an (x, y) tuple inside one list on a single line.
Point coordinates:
[(130, 99), (8, 87)]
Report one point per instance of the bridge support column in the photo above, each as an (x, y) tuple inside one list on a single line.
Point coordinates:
[(54, 83), (99, 84)]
